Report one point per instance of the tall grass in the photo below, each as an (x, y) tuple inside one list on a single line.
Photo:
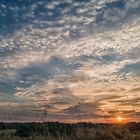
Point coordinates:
[(80, 131)]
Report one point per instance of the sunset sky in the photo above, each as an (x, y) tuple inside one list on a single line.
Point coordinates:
[(76, 59)]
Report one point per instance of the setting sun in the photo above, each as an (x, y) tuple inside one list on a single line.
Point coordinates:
[(119, 119)]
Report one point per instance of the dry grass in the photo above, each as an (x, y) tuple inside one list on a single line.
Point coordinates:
[(112, 132)]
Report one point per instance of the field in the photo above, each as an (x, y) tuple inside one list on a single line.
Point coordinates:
[(63, 131)]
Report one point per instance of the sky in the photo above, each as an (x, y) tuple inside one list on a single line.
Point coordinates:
[(69, 60)]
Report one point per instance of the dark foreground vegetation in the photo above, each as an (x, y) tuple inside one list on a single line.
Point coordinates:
[(63, 131)]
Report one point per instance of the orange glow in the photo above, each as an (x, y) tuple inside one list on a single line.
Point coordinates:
[(120, 119)]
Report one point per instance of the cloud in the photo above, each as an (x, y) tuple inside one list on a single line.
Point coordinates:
[(96, 68), (39, 71), (83, 108), (61, 91), (132, 68), (87, 13), (61, 53)]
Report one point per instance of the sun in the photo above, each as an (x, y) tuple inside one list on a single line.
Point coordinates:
[(119, 119)]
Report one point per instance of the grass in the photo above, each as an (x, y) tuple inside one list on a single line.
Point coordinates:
[(60, 131)]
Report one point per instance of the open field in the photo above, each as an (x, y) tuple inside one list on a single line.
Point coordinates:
[(63, 131)]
